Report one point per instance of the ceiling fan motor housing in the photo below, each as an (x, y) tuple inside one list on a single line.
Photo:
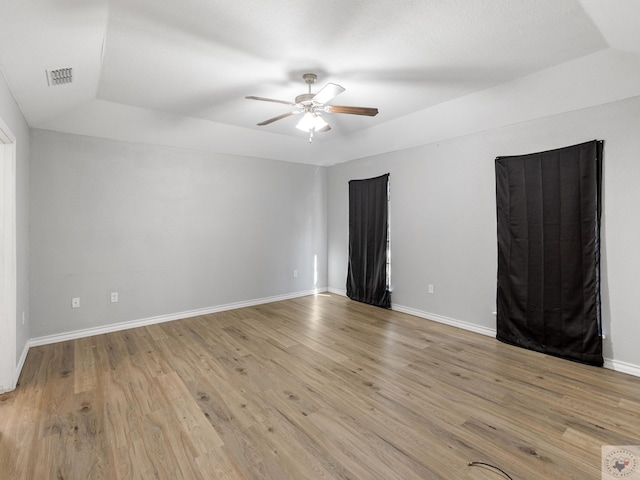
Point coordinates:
[(305, 98)]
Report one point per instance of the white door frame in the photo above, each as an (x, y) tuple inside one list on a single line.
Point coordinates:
[(8, 286)]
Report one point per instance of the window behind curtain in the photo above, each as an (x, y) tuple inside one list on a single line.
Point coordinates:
[(368, 273), (548, 294)]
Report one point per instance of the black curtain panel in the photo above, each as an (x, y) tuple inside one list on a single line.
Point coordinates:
[(548, 207), (368, 232)]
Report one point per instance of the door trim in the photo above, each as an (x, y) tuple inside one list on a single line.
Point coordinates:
[(8, 282)]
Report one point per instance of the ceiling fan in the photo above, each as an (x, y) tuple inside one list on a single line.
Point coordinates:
[(312, 105)]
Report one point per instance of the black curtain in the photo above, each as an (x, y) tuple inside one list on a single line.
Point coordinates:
[(548, 296), (368, 235)]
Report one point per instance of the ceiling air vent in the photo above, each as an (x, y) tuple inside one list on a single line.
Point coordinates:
[(59, 76)]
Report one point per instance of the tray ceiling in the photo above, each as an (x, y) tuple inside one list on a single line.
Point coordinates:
[(195, 60)]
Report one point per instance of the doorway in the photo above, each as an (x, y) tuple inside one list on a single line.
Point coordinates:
[(7, 259)]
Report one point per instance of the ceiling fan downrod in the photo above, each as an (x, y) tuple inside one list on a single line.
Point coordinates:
[(310, 79)]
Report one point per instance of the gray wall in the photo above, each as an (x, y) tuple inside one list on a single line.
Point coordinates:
[(170, 230), (174, 230), (12, 116), (443, 219)]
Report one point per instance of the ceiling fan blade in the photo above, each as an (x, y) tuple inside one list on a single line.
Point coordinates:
[(328, 93), (279, 117), (371, 112), (263, 99)]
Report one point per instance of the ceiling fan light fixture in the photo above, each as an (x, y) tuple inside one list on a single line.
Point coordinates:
[(312, 121), (319, 123), (306, 123)]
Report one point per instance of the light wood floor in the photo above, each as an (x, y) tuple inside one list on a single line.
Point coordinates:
[(318, 387)]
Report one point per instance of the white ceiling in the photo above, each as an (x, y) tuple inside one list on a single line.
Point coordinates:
[(187, 64)]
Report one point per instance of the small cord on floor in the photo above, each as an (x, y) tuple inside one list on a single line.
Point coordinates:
[(477, 464)]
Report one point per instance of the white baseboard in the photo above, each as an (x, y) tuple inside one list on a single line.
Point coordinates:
[(17, 371), (490, 332), (23, 357), (622, 367), (615, 365), (431, 316), (611, 364), (115, 327), (337, 291)]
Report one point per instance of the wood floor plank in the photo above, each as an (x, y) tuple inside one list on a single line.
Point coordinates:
[(226, 408), (194, 426), (218, 464), (85, 373), (317, 387)]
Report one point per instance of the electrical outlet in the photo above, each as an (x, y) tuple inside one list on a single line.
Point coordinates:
[(430, 288), (295, 274), (114, 297), (75, 302)]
